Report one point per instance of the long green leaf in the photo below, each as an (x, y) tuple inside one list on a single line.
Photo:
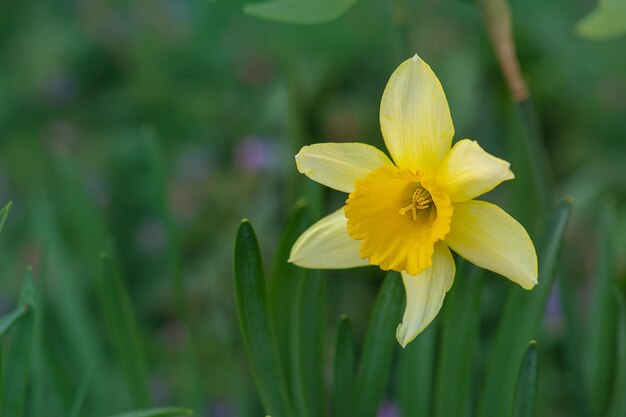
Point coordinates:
[(303, 12), (573, 339), (19, 350), (526, 391), (520, 320), (601, 333), (285, 283), (379, 344), (307, 345), (617, 406), (157, 412), (416, 369), (256, 327), (459, 338), (81, 393), (4, 213), (122, 324), (8, 320), (343, 376)]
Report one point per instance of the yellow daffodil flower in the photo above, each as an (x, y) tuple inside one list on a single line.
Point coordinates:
[(406, 215)]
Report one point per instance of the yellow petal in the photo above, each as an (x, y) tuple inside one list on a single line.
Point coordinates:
[(485, 235), (415, 118), (338, 165), (425, 293), (468, 171), (327, 245), (394, 236)]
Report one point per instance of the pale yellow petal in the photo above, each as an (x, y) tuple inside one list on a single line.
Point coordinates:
[(338, 165), (425, 293), (327, 245), (468, 171), (415, 118), (488, 237)]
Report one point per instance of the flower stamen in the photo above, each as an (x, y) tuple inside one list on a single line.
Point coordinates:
[(420, 200)]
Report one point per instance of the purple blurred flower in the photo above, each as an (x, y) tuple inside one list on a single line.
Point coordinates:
[(388, 409), (553, 314), (255, 154)]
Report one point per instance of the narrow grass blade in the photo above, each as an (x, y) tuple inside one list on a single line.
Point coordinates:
[(307, 346), (81, 393), (602, 322), (343, 375), (520, 321), (537, 156), (285, 283), (4, 213), (157, 412), (254, 319), (460, 328), (573, 344), (123, 327), (379, 344), (617, 406), (526, 390), (416, 373), (19, 352), (8, 320), (281, 268)]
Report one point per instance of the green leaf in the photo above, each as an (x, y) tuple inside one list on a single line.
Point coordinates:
[(526, 390), (285, 283), (573, 343), (18, 354), (302, 12), (254, 320), (343, 376), (123, 328), (460, 333), (601, 332), (81, 393), (8, 320), (378, 347), (416, 364), (520, 320), (307, 346), (157, 412), (617, 406), (4, 213), (607, 21)]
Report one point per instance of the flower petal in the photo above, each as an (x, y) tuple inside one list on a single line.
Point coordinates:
[(468, 171), (415, 118), (338, 165), (327, 245), (485, 235), (425, 293)]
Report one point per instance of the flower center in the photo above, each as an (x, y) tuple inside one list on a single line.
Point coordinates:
[(376, 212), (420, 200)]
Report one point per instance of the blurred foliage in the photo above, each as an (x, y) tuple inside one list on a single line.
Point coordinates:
[(608, 21), (149, 129)]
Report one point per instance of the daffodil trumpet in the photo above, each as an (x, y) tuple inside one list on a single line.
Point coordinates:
[(406, 213)]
